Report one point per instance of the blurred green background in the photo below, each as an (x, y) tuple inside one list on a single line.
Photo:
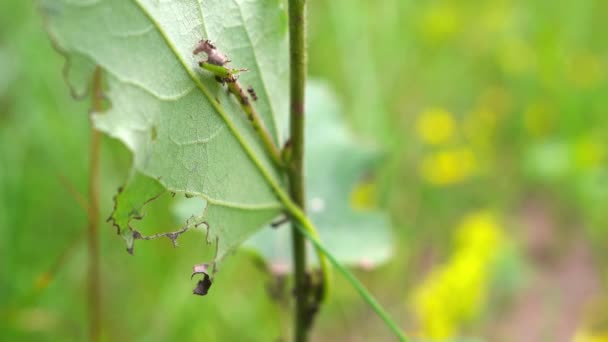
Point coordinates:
[(494, 117)]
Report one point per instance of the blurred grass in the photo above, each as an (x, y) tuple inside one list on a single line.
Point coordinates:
[(522, 83)]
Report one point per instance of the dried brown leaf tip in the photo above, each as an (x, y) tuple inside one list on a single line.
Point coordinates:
[(213, 55), (203, 285)]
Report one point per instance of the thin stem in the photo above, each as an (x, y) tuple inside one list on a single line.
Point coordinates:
[(302, 227), (307, 229), (93, 215), (297, 57)]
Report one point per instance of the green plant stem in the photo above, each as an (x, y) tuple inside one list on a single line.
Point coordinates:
[(93, 215), (307, 229), (297, 59)]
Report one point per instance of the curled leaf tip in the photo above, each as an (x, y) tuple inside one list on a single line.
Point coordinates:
[(203, 285), (199, 269)]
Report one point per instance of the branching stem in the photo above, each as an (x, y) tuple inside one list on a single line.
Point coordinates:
[(307, 229)]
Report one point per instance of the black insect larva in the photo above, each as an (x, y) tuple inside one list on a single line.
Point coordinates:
[(252, 93)]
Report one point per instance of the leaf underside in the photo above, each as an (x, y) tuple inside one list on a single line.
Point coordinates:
[(187, 135)]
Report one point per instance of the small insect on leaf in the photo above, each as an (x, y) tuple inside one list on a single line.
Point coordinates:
[(252, 93), (232, 78), (213, 55)]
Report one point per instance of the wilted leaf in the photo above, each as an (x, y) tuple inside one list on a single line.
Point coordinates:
[(335, 164), (186, 133)]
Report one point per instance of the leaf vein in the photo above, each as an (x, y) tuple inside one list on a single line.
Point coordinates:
[(259, 69), (203, 25), (273, 183), (198, 141), (134, 33)]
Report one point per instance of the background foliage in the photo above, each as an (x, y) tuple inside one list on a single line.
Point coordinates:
[(492, 117)]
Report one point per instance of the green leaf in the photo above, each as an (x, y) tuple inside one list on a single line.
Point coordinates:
[(186, 133), (128, 204), (335, 164)]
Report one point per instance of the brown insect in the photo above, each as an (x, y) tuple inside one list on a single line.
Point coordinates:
[(232, 78), (213, 55), (243, 97), (228, 79), (252, 93)]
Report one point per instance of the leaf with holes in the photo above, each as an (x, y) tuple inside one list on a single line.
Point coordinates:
[(187, 135)]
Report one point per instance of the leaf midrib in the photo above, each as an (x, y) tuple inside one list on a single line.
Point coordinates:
[(259, 69), (274, 184), (275, 126)]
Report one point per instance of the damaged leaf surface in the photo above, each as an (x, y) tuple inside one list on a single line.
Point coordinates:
[(187, 135)]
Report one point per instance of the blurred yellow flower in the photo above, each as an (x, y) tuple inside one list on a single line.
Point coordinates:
[(582, 336), (455, 293), (481, 231), (435, 126), (594, 324), (449, 166), (363, 197)]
